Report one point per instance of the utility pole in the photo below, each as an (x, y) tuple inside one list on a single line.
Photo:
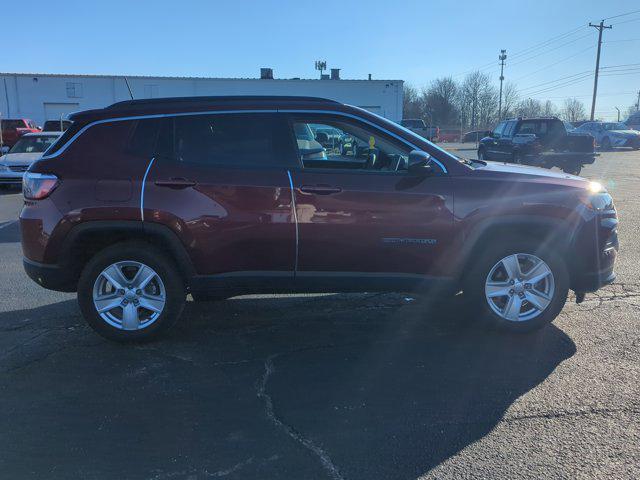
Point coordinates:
[(502, 58), (600, 28)]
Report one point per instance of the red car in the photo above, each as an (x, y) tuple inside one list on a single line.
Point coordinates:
[(13, 129), (140, 203)]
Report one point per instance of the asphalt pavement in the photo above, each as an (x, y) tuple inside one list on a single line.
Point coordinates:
[(357, 386)]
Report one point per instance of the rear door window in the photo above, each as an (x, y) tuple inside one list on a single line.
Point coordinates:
[(231, 140)]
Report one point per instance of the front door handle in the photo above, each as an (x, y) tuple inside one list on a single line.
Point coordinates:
[(175, 183), (320, 189)]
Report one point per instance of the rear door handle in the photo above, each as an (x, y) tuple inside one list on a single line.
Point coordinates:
[(320, 189), (176, 183)]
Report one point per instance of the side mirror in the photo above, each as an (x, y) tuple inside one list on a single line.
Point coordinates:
[(313, 154), (420, 163)]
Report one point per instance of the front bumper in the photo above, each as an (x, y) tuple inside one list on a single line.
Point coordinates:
[(50, 276), (595, 250)]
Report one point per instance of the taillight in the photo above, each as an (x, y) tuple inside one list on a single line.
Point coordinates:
[(36, 186)]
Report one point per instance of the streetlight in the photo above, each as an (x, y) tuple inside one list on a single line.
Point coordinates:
[(618, 112)]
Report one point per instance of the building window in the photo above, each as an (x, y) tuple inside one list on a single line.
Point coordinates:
[(74, 90), (151, 91)]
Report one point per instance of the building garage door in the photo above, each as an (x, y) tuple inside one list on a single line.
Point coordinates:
[(53, 111)]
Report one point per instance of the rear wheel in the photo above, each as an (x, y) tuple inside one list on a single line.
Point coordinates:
[(518, 287), (572, 168), (131, 292)]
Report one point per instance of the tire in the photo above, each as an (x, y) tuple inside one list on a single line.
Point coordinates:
[(572, 168), (606, 144), (515, 158), (484, 269), (164, 292)]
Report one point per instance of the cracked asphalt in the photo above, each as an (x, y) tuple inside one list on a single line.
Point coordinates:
[(358, 386)]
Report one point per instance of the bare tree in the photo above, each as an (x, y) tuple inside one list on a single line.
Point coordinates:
[(477, 100), (509, 99), (411, 102), (549, 109), (573, 110), (439, 100), (529, 108)]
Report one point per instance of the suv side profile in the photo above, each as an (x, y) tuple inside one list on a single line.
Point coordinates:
[(140, 203)]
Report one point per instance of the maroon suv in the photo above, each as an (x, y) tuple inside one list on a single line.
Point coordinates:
[(140, 203)]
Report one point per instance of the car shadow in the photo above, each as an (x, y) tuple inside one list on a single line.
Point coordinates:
[(10, 232), (371, 385)]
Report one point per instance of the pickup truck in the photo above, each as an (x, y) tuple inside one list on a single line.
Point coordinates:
[(12, 129), (539, 142), (417, 125)]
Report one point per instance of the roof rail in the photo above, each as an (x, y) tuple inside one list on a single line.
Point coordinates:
[(129, 104)]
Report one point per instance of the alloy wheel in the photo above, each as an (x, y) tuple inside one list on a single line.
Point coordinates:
[(129, 295), (519, 287)]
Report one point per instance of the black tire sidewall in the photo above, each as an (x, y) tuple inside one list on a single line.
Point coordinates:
[(474, 284), (143, 253)]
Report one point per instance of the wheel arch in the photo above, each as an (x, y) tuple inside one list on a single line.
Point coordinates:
[(550, 232), (87, 239)]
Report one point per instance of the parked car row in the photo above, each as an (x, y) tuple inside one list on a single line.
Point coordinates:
[(12, 129), (22, 154)]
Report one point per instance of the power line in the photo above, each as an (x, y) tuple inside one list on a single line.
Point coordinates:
[(622, 15), (553, 64), (627, 21), (526, 51), (550, 50), (565, 84), (556, 80)]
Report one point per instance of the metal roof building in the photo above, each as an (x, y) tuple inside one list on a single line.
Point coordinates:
[(43, 97)]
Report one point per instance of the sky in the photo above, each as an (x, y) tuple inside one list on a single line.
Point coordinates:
[(550, 49)]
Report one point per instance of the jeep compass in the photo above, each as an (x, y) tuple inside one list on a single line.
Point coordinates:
[(143, 202)]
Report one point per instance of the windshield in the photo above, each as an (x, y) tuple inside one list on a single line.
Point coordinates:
[(614, 126), (35, 144)]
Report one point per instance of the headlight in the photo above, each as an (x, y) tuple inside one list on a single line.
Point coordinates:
[(595, 187), (595, 197)]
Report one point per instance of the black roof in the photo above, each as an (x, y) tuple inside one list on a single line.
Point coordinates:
[(173, 104)]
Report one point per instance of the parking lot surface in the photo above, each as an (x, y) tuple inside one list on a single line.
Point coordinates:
[(358, 386)]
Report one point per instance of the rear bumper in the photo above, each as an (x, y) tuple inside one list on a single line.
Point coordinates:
[(50, 276)]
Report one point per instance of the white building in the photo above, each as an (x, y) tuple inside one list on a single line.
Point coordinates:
[(43, 97)]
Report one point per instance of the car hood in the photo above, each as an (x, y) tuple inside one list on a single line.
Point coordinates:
[(524, 172), (20, 158)]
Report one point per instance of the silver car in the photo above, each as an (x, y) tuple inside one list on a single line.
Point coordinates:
[(611, 134), (27, 150)]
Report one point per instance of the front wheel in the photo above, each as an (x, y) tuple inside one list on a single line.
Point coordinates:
[(131, 292), (518, 287)]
